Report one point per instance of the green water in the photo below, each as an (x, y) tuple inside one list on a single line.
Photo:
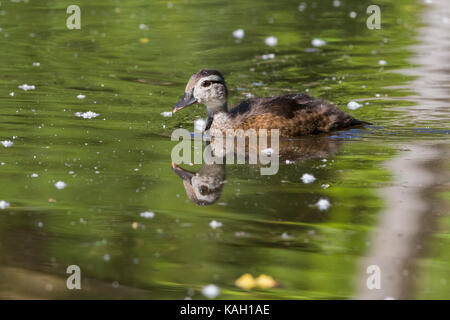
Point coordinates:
[(118, 164)]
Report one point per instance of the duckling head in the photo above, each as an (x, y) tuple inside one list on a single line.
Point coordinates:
[(206, 87)]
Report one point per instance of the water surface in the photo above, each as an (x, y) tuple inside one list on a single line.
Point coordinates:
[(131, 61)]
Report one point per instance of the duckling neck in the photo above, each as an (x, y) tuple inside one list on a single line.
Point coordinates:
[(212, 111)]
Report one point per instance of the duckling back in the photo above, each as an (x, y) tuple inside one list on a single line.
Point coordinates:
[(292, 114)]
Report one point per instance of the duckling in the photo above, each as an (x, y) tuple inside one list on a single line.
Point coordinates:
[(293, 114)]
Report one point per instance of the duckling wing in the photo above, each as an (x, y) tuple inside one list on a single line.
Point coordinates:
[(293, 114)]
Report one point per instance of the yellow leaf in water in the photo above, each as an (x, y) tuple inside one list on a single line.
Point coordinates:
[(135, 225), (143, 40), (246, 282), (265, 282)]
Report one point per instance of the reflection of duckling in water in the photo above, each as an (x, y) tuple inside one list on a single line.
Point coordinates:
[(205, 186)]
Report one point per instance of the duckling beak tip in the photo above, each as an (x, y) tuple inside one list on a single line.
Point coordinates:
[(187, 100)]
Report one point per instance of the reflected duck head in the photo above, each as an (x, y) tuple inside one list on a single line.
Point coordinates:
[(207, 87), (205, 186)]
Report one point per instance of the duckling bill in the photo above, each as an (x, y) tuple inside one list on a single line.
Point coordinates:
[(292, 114)]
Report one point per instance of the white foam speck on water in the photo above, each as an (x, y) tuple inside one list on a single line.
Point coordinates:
[(199, 125), (7, 143), (148, 214), (323, 204), (60, 185), (285, 236), (87, 115), (382, 62), (318, 42), (4, 204), (353, 105), (302, 6), (353, 14), (308, 178), (40, 224), (239, 33), (267, 151), (27, 87), (143, 26), (271, 41), (211, 291), (34, 175), (249, 95), (336, 3), (36, 64), (268, 56), (81, 96), (166, 113), (12, 94), (106, 257), (215, 224)]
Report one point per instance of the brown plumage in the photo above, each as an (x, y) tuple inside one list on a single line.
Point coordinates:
[(293, 114)]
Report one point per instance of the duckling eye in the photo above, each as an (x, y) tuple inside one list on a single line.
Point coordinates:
[(204, 190), (206, 83)]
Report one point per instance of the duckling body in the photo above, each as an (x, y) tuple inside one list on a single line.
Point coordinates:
[(293, 114)]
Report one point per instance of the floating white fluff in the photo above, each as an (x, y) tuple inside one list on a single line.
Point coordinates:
[(12, 94), (268, 56), (318, 42), (308, 178), (215, 224), (211, 291), (353, 105), (27, 87), (353, 14), (302, 6), (271, 41), (267, 151), (34, 175), (239, 34), (336, 3), (382, 62), (166, 113), (86, 115), (148, 214), (3, 204), (36, 64), (81, 96), (199, 125), (60, 185), (7, 143), (323, 204)]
